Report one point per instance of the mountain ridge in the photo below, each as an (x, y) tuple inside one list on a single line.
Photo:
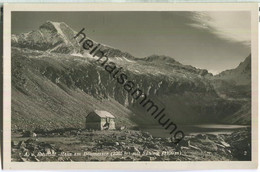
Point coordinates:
[(241, 75), (37, 61)]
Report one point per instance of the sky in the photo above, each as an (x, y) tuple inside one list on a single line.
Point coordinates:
[(215, 41)]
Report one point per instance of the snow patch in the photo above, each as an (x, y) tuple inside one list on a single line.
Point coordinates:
[(14, 37), (26, 35), (57, 27), (41, 33), (128, 60), (55, 48), (99, 78), (159, 84), (136, 71), (77, 54)]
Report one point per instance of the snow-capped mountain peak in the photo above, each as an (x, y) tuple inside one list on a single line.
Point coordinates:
[(51, 36)]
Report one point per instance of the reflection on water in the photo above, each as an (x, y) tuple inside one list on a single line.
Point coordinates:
[(158, 131)]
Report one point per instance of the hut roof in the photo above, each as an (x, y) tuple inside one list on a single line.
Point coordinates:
[(103, 114)]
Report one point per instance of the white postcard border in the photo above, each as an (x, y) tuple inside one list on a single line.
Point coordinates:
[(8, 8)]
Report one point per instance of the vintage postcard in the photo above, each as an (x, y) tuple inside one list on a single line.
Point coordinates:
[(130, 86)]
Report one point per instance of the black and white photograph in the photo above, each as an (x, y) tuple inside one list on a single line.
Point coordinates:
[(131, 86)]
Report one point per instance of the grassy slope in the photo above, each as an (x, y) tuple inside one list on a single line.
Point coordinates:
[(38, 102)]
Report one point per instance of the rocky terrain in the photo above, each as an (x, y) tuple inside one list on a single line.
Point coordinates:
[(56, 83), (127, 145), (235, 85)]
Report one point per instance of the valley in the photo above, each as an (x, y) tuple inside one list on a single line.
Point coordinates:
[(55, 84)]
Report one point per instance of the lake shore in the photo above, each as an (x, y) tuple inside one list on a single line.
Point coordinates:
[(128, 145)]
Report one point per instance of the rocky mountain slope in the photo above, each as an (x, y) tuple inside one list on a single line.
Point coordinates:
[(241, 75), (51, 37), (235, 85), (55, 83)]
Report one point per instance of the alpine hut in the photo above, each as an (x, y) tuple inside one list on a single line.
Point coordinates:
[(100, 120)]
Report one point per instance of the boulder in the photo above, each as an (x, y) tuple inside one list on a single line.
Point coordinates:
[(129, 159), (208, 146), (34, 159), (14, 143), (60, 158), (147, 135), (213, 137), (30, 141), (133, 149), (225, 144), (152, 146), (21, 144), (27, 134), (122, 138), (145, 158), (185, 143), (118, 159), (159, 158), (138, 141), (202, 136), (108, 143), (50, 151)]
